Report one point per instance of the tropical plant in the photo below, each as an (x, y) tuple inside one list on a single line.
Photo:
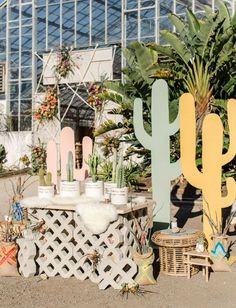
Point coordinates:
[(203, 55), (106, 171), (3, 155), (38, 157), (142, 63)]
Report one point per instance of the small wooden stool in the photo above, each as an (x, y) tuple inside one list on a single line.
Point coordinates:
[(198, 258)]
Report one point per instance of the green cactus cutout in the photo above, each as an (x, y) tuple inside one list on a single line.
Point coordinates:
[(70, 167), (163, 171)]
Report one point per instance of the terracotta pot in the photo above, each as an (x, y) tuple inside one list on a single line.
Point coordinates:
[(145, 268)]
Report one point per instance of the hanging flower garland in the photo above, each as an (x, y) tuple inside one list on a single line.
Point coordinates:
[(38, 157), (65, 63), (95, 93), (48, 108)]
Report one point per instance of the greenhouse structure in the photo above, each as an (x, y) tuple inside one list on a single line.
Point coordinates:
[(32, 31)]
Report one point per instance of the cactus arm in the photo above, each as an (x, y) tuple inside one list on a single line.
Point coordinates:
[(144, 138), (188, 141), (175, 169), (48, 179), (227, 157), (174, 126), (114, 163), (41, 177), (231, 196)]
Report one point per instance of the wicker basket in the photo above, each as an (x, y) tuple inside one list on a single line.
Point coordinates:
[(172, 249)]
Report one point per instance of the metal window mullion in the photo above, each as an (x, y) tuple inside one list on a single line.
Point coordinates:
[(7, 59), (193, 6), (174, 12), (90, 22), (75, 23), (60, 25), (106, 21), (139, 21), (19, 73), (46, 9), (123, 34), (158, 20), (213, 5), (34, 60)]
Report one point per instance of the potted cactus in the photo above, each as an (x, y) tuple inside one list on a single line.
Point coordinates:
[(69, 187), (119, 194), (110, 179), (46, 187), (94, 187)]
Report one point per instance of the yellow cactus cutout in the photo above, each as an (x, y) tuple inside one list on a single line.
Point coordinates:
[(209, 178)]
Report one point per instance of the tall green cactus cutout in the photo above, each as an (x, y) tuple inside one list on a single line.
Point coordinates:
[(163, 171), (209, 178)]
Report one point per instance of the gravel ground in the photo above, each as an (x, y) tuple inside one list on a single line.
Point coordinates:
[(169, 291)]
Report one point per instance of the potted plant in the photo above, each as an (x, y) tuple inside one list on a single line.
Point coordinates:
[(94, 187), (3, 155), (143, 256), (45, 188), (119, 194), (69, 187)]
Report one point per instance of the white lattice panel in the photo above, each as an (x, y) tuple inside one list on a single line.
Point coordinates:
[(65, 247)]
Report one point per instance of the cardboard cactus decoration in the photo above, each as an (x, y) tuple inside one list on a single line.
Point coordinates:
[(68, 145), (163, 171), (209, 179)]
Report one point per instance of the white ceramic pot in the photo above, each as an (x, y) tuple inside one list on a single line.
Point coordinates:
[(108, 186), (69, 189), (94, 189), (46, 191), (119, 196)]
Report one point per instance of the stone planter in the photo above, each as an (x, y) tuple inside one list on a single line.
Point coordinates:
[(119, 196), (46, 191), (94, 189), (69, 189), (145, 268)]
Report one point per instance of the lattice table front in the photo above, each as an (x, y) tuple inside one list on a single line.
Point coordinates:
[(65, 247)]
